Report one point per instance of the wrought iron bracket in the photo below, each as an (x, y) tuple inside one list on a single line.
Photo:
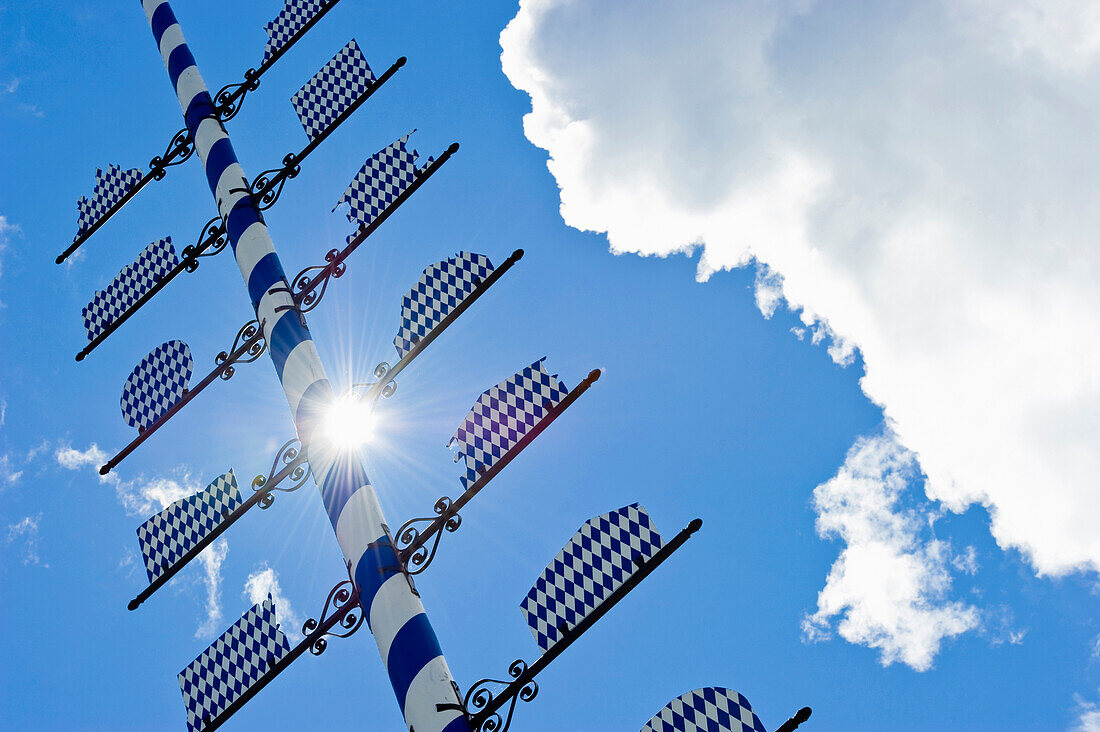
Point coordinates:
[(340, 610), (478, 706), (212, 240), (252, 336), (290, 462), (228, 100), (417, 558), (179, 150), (310, 288), (268, 185)]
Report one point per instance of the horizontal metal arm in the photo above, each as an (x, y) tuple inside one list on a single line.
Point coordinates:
[(414, 541), (254, 345), (524, 686), (306, 292), (793, 723), (348, 614), (389, 373), (296, 468)]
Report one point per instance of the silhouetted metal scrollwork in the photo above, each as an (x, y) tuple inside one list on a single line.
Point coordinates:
[(480, 697), (416, 556), (181, 148), (268, 185), (247, 347), (290, 462), (212, 239), (309, 289), (228, 100), (348, 616)]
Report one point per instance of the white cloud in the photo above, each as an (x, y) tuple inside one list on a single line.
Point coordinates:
[(1088, 719), (264, 582), (211, 560), (889, 587), (141, 498), (967, 562), (73, 459), (910, 180), (25, 532), (8, 474)]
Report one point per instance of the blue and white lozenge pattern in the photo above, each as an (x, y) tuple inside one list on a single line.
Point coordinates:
[(712, 709), (602, 555), (129, 285)]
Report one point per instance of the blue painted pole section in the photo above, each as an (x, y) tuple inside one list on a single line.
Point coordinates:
[(408, 645)]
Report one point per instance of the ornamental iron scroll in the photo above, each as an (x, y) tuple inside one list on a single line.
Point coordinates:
[(290, 462), (268, 185), (248, 346), (179, 150), (483, 713), (417, 559), (343, 599)]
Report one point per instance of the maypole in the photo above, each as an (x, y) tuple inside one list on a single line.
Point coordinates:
[(409, 648)]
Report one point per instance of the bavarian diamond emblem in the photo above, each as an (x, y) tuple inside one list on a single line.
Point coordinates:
[(173, 532), (712, 709), (379, 182), (332, 90), (156, 384), (602, 555), (502, 415), (129, 286), (291, 19), (441, 288), (110, 187), (232, 664)]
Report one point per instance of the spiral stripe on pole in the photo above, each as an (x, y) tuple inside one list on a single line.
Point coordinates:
[(409, 648)]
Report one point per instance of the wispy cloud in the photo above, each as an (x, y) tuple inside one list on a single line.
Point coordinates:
[(24, 534), (1088, 716), (264, 582), (8, 474), (141, 498), (73, 459), (889, 587), (211, 560)]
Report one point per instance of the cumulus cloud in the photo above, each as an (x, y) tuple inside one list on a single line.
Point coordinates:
[(889, 587), (264, 582), (916, 180)]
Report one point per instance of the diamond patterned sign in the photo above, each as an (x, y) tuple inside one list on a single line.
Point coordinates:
[(173, 532), (602, 555), (332, 90), (232, 664), (441, 288), (129, 285), (712, 709), (502, 415), (110, 187), (291, 19), (379, 182), (156, 384)]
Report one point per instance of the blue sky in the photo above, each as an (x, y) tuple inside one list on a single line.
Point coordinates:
[(706, 407)]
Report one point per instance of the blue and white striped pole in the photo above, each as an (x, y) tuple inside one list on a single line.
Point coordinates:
[(408, 645)]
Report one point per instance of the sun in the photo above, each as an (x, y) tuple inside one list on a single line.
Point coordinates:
[(350, 422)]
